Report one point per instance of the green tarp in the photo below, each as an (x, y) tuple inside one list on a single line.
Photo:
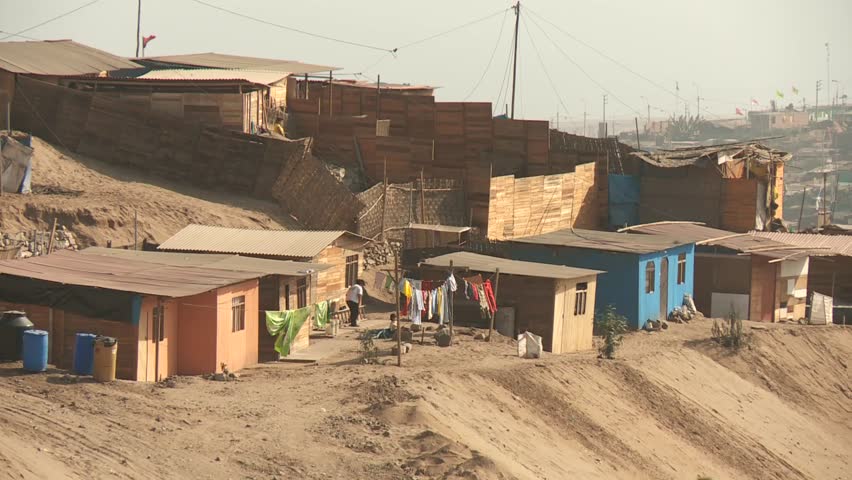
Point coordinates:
[(286, 325), (321, 317)]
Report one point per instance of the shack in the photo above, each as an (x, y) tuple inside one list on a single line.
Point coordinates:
[(419, 235), (341, 250), (830, 268), (169, 320), (741, 274), (646, 276), (737, 187), (555, 302), (286, 285)]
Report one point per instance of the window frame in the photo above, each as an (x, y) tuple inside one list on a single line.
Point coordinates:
[(238, 313), (681, 269), (581, 297), (301, 292), (650, 283), (351, 266)]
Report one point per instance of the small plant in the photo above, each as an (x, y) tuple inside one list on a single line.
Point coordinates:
[(369, 351), (703, 477), (613, 327), (729, 333)]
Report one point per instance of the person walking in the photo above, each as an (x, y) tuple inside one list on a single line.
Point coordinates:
[(354, 297)]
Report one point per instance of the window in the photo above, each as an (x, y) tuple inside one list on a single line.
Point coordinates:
[(649, 277), (238, 313), (287, 297), (160, 323), (351, 270), (301, 293), (580, 298), (681, 269)]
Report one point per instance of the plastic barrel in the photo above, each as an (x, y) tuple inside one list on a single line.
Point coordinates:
[(35, 350), (84, 353), (106, 353)]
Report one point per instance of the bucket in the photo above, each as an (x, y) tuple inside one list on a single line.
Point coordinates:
[(84, 351), (35, 350), (106, 354)]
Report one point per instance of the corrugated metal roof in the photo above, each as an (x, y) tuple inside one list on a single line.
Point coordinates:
[(740, 242), (281, 243), (220, 60), (608, 241), (821, 245), (259, 77), (215, 261), (484, 263), (58, 57), (123, 274), (438, 228)]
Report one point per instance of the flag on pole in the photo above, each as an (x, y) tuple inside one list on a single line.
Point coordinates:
[(739, 111), (795, 90), (779, 94), (147, 39), (755, 102)]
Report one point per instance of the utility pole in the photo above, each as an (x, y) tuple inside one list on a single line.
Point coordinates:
[(604, 113), (816, 105), (138, 24), (517, 8), (828, 74), (584, 121)]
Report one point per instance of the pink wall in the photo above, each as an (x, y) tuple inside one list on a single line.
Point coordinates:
[(237, 349)]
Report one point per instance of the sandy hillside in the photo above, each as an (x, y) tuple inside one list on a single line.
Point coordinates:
[(673, 406), (97, 201)]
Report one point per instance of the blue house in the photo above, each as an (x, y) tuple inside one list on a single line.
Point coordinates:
[(646, 276)]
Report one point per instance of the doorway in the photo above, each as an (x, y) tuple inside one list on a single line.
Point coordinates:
[(664, 288)]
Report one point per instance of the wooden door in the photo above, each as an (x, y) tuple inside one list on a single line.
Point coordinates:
[(664, 288)]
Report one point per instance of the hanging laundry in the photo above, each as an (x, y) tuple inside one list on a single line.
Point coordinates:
[(439, 305), (416, 307), (451, 283), (321, 314), (286, 326), (489, 296), (476, 279), (483, 302), (388, 283)]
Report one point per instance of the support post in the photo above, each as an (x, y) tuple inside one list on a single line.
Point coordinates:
[(378, 97), (802, 210), (449, 307), (496, 287), (423, 198), (330, 94), (138, 24), (384, 198), (638, 145), (515, 56), (52, 233), (398, 279)]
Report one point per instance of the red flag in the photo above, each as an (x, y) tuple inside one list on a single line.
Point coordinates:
[(147, 39), (754, 101), (739, 112)]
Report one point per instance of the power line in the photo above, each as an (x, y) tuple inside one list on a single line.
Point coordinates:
[(21, 36), (583, 71), (417, 42), (491, 59), (543, 66), (18, 33), (505, 77), (293, 29)]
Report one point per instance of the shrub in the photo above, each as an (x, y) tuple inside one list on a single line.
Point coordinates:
[(369, 351), (729, 333), (612, 326)]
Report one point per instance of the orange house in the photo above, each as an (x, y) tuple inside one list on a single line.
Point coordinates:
[(168, 320)]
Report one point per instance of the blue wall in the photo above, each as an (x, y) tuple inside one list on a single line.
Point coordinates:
[(623, 200), (649, 303), (623, 284)]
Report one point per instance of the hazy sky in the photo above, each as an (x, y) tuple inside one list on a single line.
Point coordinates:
[(728, 50)]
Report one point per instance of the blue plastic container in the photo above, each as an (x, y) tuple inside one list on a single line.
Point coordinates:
[(84, 353), (35, 350)]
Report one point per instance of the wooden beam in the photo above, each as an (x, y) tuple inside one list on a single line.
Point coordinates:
[(667, 222)]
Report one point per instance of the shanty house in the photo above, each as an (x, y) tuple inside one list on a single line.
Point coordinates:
[(830, 268), (52, 60), (553, 301), (749, 276), (286, 285), (169, 320), (239, 93), (737, 187), (646, 276), (341, 250)]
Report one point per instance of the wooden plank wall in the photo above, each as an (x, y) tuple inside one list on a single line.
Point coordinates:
[(520, 207), (117, 131), (739, 204)]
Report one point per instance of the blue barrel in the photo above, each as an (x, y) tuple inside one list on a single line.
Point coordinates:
[(84, 353), (35, 350)]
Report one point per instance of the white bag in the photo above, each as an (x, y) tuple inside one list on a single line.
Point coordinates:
[(529, 345)]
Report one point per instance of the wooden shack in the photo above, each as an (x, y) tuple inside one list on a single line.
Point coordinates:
[(552, 301)]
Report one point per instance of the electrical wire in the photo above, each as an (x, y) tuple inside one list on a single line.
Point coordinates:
[(505, 78), (21, 36), (293, 29), (446, 32), (583, 71), (543, 66), (62, 15), (490, 59)]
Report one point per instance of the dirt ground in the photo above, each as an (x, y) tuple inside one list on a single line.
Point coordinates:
[(97, 201), (673, 405)]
